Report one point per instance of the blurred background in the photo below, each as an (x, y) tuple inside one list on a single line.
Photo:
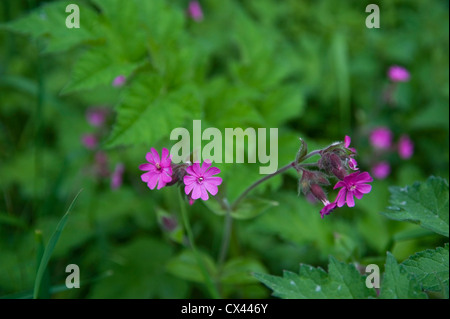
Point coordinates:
[(79, 109)]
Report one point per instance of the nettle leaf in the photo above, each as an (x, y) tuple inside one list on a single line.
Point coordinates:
[(397, 284), (341, 281), (148, 113), (50, 21), (430, 268), (97, 67), (422, 203)]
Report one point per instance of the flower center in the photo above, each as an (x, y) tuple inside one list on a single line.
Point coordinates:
[(158, 167), (200, 179), (353, 187)]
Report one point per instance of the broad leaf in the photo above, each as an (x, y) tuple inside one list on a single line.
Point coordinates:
[(422, 203)]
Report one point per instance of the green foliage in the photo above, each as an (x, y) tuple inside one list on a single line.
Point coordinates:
[(422, 203)]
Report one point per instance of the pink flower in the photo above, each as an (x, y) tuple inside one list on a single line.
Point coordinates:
[(381, 138), (398, 74), (96, 116), (116, 178), (328, 209), (89, 141), (351, 161), (405, 147), (353, 185), (381, 170), (195, 10), (119, 81), (200, 180), (101, 164), (159, 169)]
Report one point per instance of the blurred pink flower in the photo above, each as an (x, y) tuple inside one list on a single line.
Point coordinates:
[(119, 81), (195, 11), (328, 209), (381, 170), (116, 178), (96, 116), (353, 185), (200, 180), (159, 169), (89, 141), (405, 147), (101, 164), (381, 138), (398, 74)]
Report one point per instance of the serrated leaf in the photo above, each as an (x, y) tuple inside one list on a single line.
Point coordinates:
[(423, 203), (147, 113), (341, 281), (50, 21), (397, 284), (185, 266), (97, 67), (430, 268)]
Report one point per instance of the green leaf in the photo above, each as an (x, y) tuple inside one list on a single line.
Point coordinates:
[(341, 281), (251, 207), (430, 268), (148, 113), (397, 284), (422, 203), (238, 271), (50, 21), (185, 266), (49, 250), (97, 67)]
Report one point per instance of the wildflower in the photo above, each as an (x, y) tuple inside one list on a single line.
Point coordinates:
[(96, 116), (195, 11), (405, 147), (119, 81), (381, 138), (353, 184), (89, 141), (116, 178), (381, 170), (159, 169), (398, 74), (351, 161), (200, 180), (329, 207)]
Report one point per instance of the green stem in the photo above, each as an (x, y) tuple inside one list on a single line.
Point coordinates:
[(226, 235), (208, 281), (265, 178)]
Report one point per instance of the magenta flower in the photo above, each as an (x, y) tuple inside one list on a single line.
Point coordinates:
[(405, 147), (353, 185), (381, 138), (119, 81), (398, 74), (89, 141), (159, 169), (195, 11), (96, 116), (351, 161), (116, 178), (381, 170), (328, 209), (200, 181)]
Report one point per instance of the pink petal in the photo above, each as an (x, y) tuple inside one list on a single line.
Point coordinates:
[(197, 191), (164, 153), (363, 178), (347, 141), (149, 158), (364, 188), (350, 200), (190, 171), (153, 179), (340, 184), (211, 188), (146, 176), (146, 167), (166, 178), (358, 194), (167, 170), (205, 166), (214, 180), (341, 197), (155, 155), (188, 188), (204, 195), (188, 179), (197, 169), (212, 171)]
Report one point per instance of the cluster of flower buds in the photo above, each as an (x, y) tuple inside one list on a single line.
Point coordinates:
[(198, 179), (336, 160)]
